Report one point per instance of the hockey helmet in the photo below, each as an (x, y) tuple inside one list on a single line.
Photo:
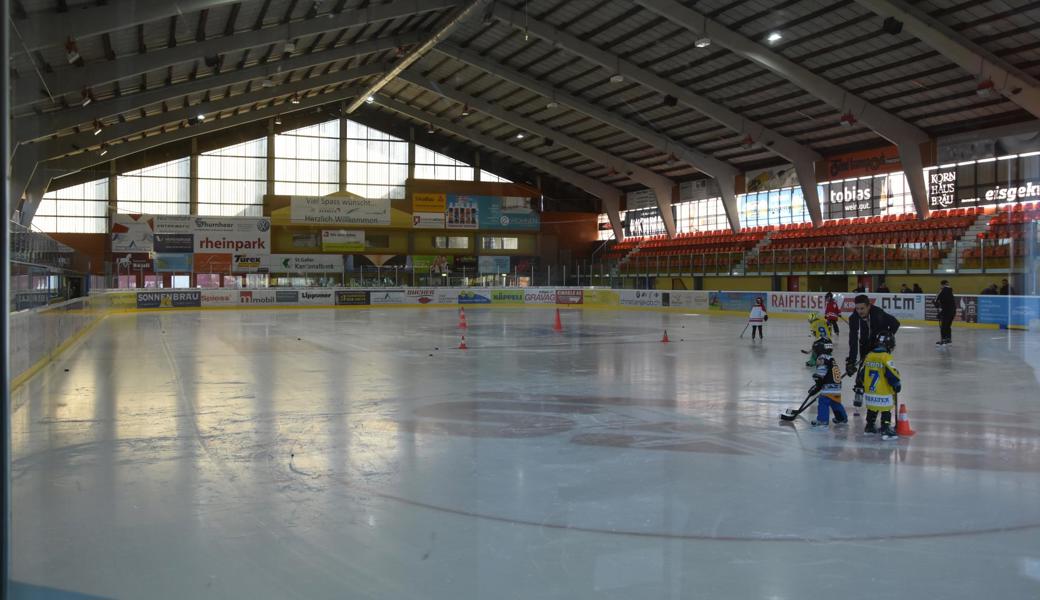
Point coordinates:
[(822, 346), (813, 316), (884, 341)]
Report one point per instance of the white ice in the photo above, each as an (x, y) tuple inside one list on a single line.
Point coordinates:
[(357, 454)]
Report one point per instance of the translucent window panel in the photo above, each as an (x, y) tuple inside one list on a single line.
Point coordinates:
[(488, 176), (296, 188), (80, 208), (253, 148)]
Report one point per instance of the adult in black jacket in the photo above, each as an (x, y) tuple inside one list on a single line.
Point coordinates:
[(947, 306), (864, 323)]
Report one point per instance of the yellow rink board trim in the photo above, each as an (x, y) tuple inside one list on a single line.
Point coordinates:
[(28, 374)]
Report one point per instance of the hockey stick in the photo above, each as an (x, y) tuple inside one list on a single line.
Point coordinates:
[(745, 329), (791, 415)]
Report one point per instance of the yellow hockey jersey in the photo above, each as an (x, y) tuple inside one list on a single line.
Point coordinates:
[(880, 381), (818, 328)]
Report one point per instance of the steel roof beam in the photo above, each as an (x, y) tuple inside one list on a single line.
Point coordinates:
[(50, 170), (907, 137), (713, 167), (73, 80), (1015, 84), (660, 185), (444, 29), (48, 123), (610, 195), (801, 156), (48, 28)]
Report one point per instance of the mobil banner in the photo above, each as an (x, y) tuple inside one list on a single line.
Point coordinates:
[(420, 296), (573, 296), (232, 235), (539, 296), (737, 301), (306, 263), (691, 300), (187, 299), (254, 297), (378, 297), (509, 296), (339, 210), (342, 240), (318, 297), (475, 296), (219, 297), (644, 298)]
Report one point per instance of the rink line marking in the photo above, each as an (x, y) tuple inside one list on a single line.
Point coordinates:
[(693, 536), (28, 374)]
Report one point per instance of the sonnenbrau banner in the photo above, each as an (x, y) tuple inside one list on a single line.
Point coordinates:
[(183, 299)]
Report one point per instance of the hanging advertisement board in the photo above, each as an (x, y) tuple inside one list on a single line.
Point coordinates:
[(306, 263), (318, 210), (341, 240), (232, 235)]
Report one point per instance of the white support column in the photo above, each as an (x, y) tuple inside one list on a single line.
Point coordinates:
[(807, 181)]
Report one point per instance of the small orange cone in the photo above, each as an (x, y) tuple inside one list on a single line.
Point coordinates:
[(462, 344), (903, 422), (462, 319), (665, 339), (557, 325)]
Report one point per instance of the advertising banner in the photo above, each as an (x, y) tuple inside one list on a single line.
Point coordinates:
[(377, 297), (1014, 311), (539, 296), (351, 298), (251, 297), (248, 263), (860, 164), (339, 211), (219, 297), (232, 235), (640, 298), (967, 309), (132, 233), (491, 212), (429, 203), (569, 296), (738, 301), (188, 299), (319, 297), (433, 264), (340, 240), (901, 306), (173, 225), (420, 296), (475, 296), (306, 263), (463, 212), (794, 302), (287, 296), (693, 300), (212, 263), (137, 261), (639, 199), (173, 263), (507, 296), (602, 298), (492, 265), (174, 242), (772, 178), (428, 220)]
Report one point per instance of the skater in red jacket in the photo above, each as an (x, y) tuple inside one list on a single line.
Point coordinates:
[(832, 313)]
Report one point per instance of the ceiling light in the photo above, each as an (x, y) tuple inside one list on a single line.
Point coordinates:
[(552, 104), (985, 87), (104, 151), (97, 127), (201, 117), (267, 83), (520, 135), (465, 110), (430, 128), (278, 120), (774, 36), (702, 42), (370, 99), (294, 99), (87, 97), (290, 47), (748, 142), (617, 78), (847, 120)]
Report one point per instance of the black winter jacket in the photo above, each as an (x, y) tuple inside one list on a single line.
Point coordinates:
[(862, 331)]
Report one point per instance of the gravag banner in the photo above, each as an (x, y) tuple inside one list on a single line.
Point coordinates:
[(539, 296), (475, 296), (186, 299)]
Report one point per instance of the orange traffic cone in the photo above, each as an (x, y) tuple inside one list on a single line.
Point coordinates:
[(903, 422), (557, 325), (462, 319), (665, 339), (462, 344)]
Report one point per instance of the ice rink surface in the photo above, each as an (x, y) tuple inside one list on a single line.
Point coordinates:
[(357, 454)]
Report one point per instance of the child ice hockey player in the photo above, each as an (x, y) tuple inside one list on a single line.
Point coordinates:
[(828, 385), (881, 383), (832, 313), (758, 316), (818, 330)]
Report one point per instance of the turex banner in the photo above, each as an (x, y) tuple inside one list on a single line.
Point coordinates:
[(331, 210), (306, 263)]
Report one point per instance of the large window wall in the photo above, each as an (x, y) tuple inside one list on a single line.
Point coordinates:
[(232, 180), (773, 207)]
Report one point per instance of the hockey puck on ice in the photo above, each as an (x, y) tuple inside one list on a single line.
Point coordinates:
[(66, 370)]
